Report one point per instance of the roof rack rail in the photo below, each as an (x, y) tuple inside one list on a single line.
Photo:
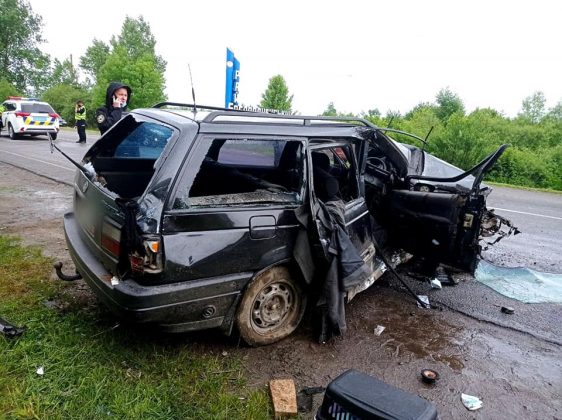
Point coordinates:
[(249, 113), (304, 120), (185, 105)]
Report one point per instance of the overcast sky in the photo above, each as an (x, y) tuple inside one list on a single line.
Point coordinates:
[(359, 55)]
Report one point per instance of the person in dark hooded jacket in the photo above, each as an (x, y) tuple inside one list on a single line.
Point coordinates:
[(116, 101)]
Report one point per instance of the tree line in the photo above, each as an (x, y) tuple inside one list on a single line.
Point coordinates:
[(25, 70), (535, 135), (534, 158)]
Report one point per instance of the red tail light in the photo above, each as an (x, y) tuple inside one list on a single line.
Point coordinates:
[(111, 238), (54, 115), (151, 261), (22, 114)]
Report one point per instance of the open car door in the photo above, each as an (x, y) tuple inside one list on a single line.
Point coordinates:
[(435, 217)]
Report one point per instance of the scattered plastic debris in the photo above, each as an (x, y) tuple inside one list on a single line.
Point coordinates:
[(224, 353), (379, 330), (40, 370), (425, 301), (470, 402), (435, 284), (444, 277), (10, 330), (507, 310), (114, 281)]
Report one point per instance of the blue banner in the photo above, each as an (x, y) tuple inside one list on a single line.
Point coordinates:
[(232, 80)]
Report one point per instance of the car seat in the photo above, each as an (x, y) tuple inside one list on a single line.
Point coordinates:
[(325, 184)]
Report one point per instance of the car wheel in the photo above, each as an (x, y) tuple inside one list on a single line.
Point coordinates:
[(272, 307), (11, 132), (53, 136)]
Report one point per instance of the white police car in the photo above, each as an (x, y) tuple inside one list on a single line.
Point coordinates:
[(28, 116)]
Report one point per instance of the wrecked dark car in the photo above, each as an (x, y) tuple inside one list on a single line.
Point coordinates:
[(193, 218)]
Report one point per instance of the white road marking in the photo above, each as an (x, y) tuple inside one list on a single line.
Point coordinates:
[(531, 214), (39, 160)]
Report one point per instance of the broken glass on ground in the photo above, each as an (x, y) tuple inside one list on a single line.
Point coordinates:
[(471, 402), (521, 283)]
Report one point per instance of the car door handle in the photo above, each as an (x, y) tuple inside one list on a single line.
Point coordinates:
[(263, 227)]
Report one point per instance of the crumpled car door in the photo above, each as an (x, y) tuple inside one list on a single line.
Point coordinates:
[(442, 225)]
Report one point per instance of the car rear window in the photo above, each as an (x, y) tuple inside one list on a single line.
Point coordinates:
[(251, 153), (146, 141), (37, 108)]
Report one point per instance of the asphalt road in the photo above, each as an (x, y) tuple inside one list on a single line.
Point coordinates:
[(34, 154), (538, 215)]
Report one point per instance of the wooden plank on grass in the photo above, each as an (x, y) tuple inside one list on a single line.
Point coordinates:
[(284, 397)]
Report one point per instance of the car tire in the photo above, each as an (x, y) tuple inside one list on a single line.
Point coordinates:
[(11, 133), (272, 307), (53, 136)]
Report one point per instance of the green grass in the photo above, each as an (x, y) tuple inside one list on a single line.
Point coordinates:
[(92, 371), (521, 187)]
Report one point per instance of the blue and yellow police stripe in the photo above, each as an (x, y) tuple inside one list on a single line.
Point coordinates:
[(30, 121)]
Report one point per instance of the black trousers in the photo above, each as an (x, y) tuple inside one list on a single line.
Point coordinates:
[(81, 127)]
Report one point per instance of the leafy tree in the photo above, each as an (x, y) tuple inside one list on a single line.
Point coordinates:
[(62, 97), (7, 89), (421, 107), (137, 40), (555, 113), (94, 58), (64, 73), (448, 103), (533, 107), (21, 61), (420, 121), (330, 111), (276, 95), (140, 74), (131, 59)]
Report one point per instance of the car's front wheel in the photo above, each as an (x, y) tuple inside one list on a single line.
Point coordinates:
[(272, 307), (11, 132)]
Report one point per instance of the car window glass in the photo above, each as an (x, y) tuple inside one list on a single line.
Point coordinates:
[(133, 138), (246, 172), (146, 141), (37, 108), (250, 153), (10, 107)]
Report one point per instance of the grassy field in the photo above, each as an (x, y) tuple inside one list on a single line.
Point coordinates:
[(92, 370)]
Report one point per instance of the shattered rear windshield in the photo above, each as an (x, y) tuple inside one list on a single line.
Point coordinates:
[(134, 138)]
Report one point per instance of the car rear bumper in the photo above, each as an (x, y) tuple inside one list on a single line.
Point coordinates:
[(176, 307), (37, 129)]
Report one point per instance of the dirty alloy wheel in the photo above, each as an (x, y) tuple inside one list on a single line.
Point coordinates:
[(11, 132), (272, 307)]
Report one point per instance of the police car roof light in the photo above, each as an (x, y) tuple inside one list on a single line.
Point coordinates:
[(19, 98)]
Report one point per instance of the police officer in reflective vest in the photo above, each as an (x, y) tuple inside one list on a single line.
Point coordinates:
[(80, 118)]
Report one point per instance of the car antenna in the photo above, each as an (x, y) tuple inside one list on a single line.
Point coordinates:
[(192, 89), (390, 122), (427, 136)]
